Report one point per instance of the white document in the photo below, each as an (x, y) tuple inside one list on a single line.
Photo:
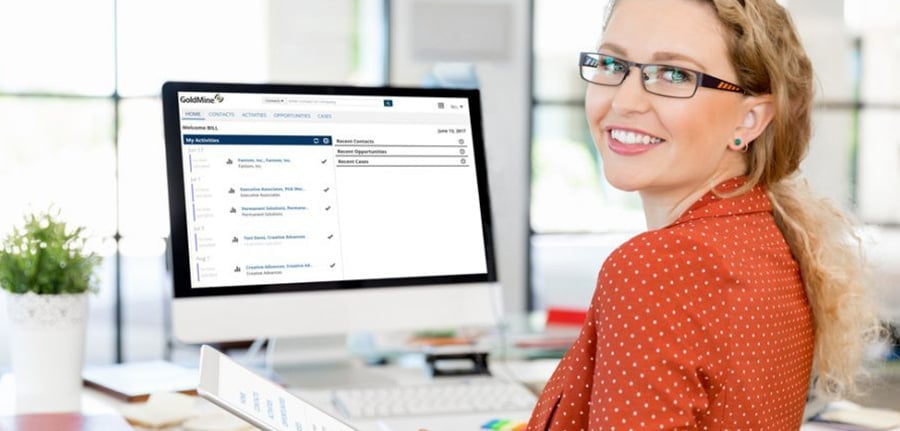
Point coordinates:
[(257, 400)]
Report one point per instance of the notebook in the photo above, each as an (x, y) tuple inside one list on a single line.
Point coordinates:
[(136, 381)]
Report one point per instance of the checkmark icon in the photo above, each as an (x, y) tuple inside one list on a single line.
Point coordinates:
[(328, 208), (332, 265), (324, 160), (330, 236), (326, 189)]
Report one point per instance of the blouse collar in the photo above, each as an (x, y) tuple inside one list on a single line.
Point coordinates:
[(710, 205)]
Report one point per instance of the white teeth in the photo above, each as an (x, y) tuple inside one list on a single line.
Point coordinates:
[(626, 137)]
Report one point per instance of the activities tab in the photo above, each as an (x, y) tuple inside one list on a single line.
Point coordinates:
[(257, 115), (257, 140)]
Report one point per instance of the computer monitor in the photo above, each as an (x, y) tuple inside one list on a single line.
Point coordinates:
[(316, 210)]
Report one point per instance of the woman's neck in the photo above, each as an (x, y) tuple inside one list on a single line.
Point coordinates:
[(663, 206), (662, 209)]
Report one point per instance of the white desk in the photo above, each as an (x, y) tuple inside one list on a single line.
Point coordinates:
[(94, 402)]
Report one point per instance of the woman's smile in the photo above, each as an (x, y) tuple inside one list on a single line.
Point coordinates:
[(631, 142)]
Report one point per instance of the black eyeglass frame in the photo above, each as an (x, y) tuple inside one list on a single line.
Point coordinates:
[(703, 79)]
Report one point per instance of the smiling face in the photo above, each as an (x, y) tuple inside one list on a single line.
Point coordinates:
[(659, 145)]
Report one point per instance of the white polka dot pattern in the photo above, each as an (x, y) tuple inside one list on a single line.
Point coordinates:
[(701, 325)]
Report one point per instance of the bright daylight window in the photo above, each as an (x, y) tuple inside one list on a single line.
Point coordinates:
[(568, 191), (81, 122)]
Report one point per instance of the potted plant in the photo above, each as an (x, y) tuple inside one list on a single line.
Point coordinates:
[(48, 274)]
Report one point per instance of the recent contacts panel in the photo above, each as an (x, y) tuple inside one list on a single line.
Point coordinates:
[(281, 190)]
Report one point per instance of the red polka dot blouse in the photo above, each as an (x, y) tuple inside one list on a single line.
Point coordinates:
[(701, 325)]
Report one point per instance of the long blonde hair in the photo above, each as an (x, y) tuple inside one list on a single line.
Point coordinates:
[(769, 59)]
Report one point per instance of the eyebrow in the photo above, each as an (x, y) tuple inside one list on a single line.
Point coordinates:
[(657, 56)]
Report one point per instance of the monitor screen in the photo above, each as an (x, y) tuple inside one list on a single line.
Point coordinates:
[(281, 189)]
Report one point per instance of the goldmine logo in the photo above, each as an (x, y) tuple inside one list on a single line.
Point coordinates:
[(218, 98)]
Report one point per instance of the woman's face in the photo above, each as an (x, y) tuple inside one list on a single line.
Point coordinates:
[(694, 132)]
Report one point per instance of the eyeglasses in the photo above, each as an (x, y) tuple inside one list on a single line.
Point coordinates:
[(659, 79)]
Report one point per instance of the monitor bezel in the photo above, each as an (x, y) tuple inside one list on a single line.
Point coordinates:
[(179, 247)]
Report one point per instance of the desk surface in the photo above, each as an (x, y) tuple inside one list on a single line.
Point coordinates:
[(97, 403), (94, 402)]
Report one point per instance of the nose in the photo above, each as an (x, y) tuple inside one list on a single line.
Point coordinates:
[(630, 96)]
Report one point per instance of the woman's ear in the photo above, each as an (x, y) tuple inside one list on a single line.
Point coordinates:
[(758, 113)]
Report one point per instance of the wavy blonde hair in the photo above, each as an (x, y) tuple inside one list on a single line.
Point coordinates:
[(768, 57)]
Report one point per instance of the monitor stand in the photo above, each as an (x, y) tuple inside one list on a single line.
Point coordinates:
[(322, 362)]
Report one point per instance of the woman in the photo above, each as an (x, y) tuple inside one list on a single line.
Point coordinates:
[(744, 284)]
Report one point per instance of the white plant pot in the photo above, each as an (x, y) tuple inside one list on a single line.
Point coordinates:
[(48, 336)]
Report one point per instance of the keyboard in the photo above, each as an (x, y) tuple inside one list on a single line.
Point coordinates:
[(438, 398)]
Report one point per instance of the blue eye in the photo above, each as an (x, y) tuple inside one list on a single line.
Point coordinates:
[(676, 75)]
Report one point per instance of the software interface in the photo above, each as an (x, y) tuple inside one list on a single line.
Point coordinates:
[(287, 188)]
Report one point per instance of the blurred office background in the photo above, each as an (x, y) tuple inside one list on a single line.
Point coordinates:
[(81, 126)]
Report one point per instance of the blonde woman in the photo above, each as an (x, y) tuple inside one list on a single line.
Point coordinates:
[(745, 286)]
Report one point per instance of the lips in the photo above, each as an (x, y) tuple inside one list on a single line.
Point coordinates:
[(630, 142)]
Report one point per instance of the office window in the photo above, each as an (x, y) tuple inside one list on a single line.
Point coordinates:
[(81, 121), (57, 47), (829, 165), (59, 151), (568, 191), (879, 181), (198, 40), (143, 210), (879, 147), (576, 216)]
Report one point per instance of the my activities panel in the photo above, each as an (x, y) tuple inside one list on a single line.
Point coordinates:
[(260, 208), (291, 194)]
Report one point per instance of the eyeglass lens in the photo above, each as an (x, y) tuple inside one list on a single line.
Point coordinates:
[(658, 79)]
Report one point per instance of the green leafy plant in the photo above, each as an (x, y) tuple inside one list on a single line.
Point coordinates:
[(45, 256)]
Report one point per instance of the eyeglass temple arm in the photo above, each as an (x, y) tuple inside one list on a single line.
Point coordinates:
[(718, 84)]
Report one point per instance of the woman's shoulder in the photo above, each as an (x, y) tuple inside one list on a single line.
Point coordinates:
[(666, 272), (678, 241), (667, 252)]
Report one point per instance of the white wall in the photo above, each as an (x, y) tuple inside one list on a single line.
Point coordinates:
[(309, 41), (492, 34)]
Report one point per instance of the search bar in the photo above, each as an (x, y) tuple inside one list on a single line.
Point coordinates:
[(355, 102)]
